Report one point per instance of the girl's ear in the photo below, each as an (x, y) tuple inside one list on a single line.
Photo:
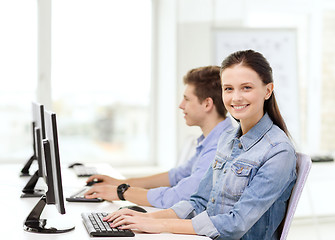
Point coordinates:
[(269, 90)]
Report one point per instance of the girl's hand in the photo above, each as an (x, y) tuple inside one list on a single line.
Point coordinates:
[(129, 219), (125, 211)]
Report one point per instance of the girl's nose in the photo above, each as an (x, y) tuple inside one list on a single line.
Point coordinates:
[(237, 96)]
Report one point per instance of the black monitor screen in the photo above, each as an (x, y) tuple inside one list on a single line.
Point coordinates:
[(40, 154), (38, 117), (37, 122), (45, 166), (52, 155), (38, 134), (40, 151)]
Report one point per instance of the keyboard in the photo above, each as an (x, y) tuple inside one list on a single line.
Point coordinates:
[(96, 227), (84, 171), (320, 158), (79, 196)]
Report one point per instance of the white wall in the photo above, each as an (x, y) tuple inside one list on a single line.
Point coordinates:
[(194, 21)]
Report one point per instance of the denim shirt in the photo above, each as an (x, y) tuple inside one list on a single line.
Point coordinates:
[(244, 193), (185, 179)]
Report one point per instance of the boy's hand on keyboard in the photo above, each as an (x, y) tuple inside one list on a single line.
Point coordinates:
[(105, 179), (104, 191)]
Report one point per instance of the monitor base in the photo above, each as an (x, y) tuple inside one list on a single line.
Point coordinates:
[(41, 226), (25, 174), (35, 193), (54, 224)]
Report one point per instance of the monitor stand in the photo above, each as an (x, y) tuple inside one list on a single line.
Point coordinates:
[(34, 223), (29, 190), (25, 169)]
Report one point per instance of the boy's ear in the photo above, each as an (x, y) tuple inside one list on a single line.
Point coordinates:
[(209, 102)]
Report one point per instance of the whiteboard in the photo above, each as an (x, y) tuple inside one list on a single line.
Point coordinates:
[(278, 46)]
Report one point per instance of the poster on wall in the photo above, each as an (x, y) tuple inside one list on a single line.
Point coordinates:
[(278, 46)]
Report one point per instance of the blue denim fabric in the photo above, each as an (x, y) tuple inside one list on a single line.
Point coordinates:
[(185, 179), (244, 193)]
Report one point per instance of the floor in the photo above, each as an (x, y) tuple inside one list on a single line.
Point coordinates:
[(315, 215)]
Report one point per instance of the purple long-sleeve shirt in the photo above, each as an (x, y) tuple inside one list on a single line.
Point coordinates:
[(185, 179)]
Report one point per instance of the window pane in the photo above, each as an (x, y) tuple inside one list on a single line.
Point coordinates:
[(18, 61), (101, 68)]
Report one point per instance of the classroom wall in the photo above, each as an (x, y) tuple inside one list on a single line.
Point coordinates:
[(328, 78), (196, 19)]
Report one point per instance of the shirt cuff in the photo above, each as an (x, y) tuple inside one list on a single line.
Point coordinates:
[(184, 210), (203, 225), (172, 177)]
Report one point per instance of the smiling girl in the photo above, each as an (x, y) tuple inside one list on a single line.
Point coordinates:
[(245, 192)]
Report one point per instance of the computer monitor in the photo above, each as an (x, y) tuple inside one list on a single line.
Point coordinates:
[(54, 195), (38, 134), (38, 122)]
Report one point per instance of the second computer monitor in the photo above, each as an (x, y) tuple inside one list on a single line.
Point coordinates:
[(37, 122)]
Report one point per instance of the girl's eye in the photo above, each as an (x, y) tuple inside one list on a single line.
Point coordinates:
[(247, 87), (227, 89)]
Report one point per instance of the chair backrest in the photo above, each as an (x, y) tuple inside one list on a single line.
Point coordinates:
[(187, 150), (304, 164)]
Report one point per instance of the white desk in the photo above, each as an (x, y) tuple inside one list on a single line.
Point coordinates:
[(14, 209)]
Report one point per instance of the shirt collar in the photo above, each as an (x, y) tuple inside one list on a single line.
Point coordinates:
[(255, 133), (215, 133)]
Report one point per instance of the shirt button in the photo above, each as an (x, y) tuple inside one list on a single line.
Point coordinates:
[(213, 200), (225, 171), (240, 145)]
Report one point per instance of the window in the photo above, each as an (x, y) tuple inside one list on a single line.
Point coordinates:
[(100, 78), (101, 75), (18, 61)]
